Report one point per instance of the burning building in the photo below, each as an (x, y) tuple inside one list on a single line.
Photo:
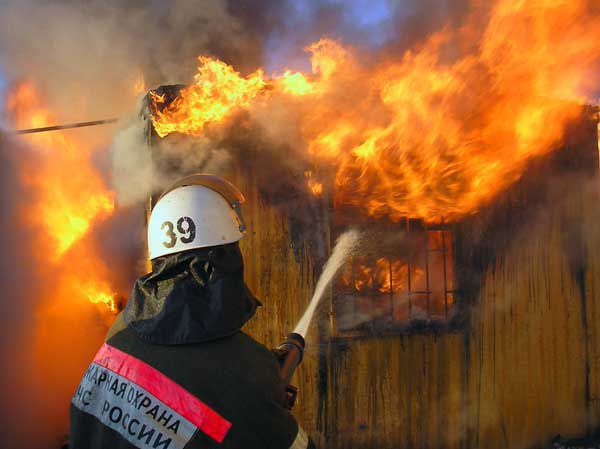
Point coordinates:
[(472, 327), (469, 161)]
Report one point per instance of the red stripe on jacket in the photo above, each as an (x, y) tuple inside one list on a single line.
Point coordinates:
[(165, 389)]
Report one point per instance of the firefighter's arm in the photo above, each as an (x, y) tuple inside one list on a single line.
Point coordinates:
[(284, 432), (290, 435)]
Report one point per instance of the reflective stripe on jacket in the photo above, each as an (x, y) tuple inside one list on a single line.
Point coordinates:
[(224, 393), (176, 371)]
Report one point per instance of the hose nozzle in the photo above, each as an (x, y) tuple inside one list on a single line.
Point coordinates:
[(289, 353)]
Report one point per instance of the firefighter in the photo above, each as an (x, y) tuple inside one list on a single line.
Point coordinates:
[(176, 370)]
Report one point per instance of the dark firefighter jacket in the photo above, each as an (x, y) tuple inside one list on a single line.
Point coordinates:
[(176, 371)]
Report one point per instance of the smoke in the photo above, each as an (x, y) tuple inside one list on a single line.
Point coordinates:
[(20, 289), (132, 162), (346, 244), (40, 375), (424, 120), (138, 170), (371, 25), (258, 140), (85, 58), (86, 55)]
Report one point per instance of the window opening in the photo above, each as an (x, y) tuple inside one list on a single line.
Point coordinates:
[(405, 283)]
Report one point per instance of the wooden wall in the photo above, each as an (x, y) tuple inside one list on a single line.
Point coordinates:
[(524, 369), (283, 252), (281, 270)]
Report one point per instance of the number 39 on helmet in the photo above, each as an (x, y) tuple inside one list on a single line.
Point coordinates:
[(196, 212)]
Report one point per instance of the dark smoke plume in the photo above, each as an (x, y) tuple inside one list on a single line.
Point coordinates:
[(84, 57)]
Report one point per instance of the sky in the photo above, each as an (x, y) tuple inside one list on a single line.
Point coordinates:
[(365, 20)]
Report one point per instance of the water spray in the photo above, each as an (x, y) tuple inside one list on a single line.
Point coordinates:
[(291, 351), (346, 244)]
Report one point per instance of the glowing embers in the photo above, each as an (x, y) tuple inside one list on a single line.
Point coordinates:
[(406, 282)]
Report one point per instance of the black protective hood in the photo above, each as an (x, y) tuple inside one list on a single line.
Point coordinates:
[(191, 297)]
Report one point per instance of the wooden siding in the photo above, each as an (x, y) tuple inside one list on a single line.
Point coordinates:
[(524, 368), (282, 271)]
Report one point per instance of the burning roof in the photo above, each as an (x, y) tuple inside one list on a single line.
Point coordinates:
[(433, 134)]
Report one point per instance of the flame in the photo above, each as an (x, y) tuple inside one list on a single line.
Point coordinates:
[(139, 85), (217, 92), (99, 293), (385, 285), (68, 197), (315, 186), (434, 133), (388, 275), (295, 83), (327, 58), (384, 275)]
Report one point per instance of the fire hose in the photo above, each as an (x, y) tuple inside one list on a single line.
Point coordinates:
[(289, 354)]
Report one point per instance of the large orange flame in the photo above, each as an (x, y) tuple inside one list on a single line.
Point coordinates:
[(437, 132), (218, 90), (68, 197)]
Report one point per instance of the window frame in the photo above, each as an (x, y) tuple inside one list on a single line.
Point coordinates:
[(375, 327)]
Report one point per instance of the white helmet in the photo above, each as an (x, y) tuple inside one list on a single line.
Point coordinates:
[(198, 211)]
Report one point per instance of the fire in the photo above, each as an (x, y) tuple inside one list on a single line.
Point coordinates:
[(217, 92), (99, 294), (314, 185), (295, 83), (139, 84), (68, 197), (434, 133), (384, 275)]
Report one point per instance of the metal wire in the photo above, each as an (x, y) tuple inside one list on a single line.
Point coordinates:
[(68, 126)]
